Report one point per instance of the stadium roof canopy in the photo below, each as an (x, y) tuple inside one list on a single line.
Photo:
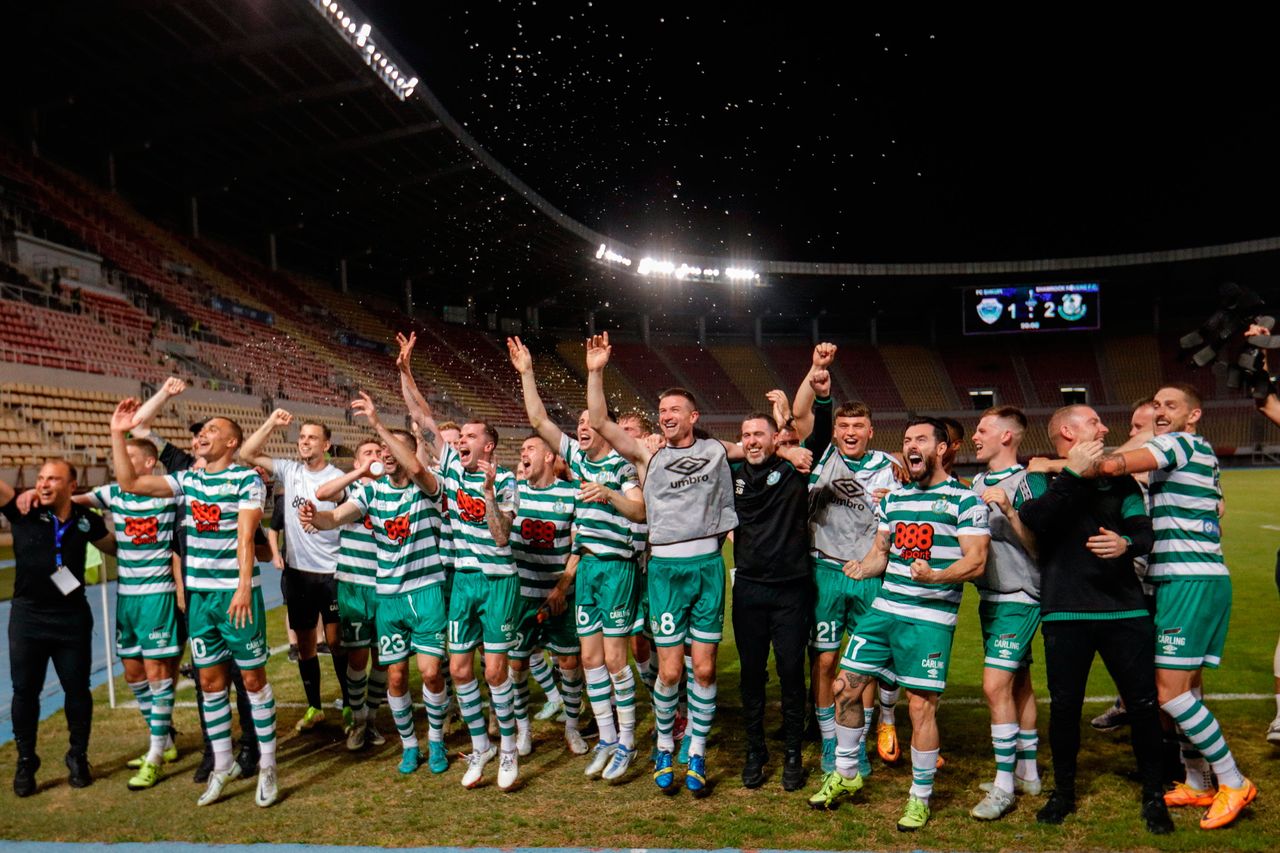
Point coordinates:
[(259, 116), (274, 121)]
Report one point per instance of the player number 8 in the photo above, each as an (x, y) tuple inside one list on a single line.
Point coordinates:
[(667, 624)]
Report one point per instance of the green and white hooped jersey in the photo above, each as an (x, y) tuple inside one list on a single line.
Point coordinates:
[(540, 535), (842, 508), (1184, 495), (144, 538), (358, 551), (926, 524), (406, 529), (211, 504), (474, 549), (598, 528)]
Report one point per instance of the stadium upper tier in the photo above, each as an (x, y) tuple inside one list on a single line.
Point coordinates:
[(225, 322)]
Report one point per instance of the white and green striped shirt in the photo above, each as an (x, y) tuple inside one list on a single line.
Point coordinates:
[(598, 528), (474, 549), (926, 524), (144, 530), (358, 551), (540, 535), (212, 503), (1184, 495), (406, 528)]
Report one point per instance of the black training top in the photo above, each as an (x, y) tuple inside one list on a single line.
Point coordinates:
[(34, 552), (771, 541), (1064, 512)]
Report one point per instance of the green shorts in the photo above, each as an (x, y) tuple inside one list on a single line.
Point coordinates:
[(214, 638), (411, 620), (147, 626), (483, 609), (841, 604), (686, 599), (357, 614), (1191, 622), (914, 654), (555, 633), (606, 593), (1008, 628), (642, 607)]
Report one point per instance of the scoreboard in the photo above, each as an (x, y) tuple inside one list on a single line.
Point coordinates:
[(1032, 308)]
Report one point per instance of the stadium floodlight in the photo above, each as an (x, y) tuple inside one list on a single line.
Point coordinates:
[(740, 274), (365, 41)]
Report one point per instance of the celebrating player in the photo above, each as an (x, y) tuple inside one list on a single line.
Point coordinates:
[(605, 582), (222, 507), (844, 487), (540, 540), (1193, 595), (357, 574), (404, 510), (932, 537), (688, 497), (1009, 612), (310, 587)]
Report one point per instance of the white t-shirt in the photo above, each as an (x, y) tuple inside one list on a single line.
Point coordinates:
[(307, 552)]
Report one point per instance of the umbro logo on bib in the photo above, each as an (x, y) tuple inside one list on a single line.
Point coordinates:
[(847, 489), (687, 465)]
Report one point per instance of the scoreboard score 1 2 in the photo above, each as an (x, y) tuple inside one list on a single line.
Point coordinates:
[(1032, 308)]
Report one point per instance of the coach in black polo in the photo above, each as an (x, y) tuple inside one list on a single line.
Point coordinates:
[(772, 591), (50, 619)]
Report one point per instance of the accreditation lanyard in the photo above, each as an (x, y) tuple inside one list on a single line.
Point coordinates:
[(59, 530)]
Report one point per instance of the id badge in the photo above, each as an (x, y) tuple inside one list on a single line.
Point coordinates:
[(65, 581)]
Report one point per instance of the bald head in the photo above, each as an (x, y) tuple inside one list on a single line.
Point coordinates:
[(1072, 424)]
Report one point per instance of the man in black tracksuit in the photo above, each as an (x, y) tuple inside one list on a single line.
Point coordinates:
[(1087, 533), (772, 592)]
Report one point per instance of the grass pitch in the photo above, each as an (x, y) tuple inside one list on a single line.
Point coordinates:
[(331, 796)]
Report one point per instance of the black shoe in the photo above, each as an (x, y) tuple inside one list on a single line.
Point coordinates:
[(322, 648), (293, 653), (793, 772), (187, 670), (753, 768), (79, 773), (24, 777), (1156, 814), (247, 761), (1056, 810), (206, 767)]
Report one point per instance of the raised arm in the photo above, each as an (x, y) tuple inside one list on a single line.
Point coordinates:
[(522, 361), (498, 520), (419, 408), (598, 351), (172, 387), (334, 488), (823, 355), (122, 421), (251, 451), (405, 456)]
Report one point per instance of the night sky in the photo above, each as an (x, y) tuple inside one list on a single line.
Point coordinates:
[(813, 137)]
